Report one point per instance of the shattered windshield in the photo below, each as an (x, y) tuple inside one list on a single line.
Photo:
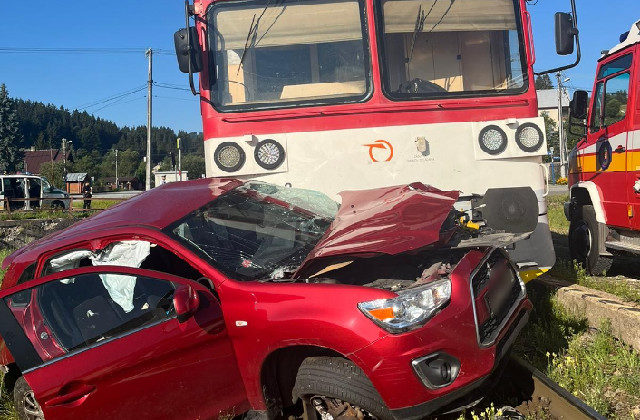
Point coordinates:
[(257, 230)]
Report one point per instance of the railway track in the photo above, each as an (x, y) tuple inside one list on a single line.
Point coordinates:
[(523, 392), (545, 398)]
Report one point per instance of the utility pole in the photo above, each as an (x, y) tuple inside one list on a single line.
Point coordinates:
[(117, 183), (149, 55), (64, 157), (179, 160), (561, 139)]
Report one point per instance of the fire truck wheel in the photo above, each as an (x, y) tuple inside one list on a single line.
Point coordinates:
[(584, 241)]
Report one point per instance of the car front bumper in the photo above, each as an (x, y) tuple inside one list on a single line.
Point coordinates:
[(453, 332)]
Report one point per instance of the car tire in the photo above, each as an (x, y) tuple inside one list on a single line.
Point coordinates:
[(57, 205), (585, 241), (25, 402), (337, 386)]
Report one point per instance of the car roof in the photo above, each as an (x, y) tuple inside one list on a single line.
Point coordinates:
[(155, 209), (20, 176)]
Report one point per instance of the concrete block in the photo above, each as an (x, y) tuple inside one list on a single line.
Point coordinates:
[(597, 306)]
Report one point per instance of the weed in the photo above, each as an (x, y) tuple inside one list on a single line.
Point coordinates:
[(3, 254), (601, 371), (555, 209)]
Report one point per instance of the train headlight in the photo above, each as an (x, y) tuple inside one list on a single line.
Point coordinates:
[(269, 154), (493, 140), (529, 137), (229, 157)]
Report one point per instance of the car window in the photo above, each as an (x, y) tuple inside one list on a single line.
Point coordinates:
[(616, 98), (135, 254), (69, 314)]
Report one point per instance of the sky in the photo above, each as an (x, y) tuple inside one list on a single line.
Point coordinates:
[(76, 80)]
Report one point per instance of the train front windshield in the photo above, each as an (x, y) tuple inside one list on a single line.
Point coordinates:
[(445, 48), (277, 52)]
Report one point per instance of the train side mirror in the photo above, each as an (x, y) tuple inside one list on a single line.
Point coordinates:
[(565, 33), (188, 50), (579, 104)]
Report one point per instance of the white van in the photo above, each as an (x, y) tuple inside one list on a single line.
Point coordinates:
[(27, 192)]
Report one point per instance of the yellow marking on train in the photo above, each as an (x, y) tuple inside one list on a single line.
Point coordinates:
[(528, 275)]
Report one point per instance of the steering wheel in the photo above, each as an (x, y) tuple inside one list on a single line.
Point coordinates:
[(420, 86)]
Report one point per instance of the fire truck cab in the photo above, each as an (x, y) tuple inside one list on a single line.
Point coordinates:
[(604, 167)]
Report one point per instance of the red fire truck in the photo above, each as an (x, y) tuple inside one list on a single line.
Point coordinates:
[(604, 209), (336, 95)]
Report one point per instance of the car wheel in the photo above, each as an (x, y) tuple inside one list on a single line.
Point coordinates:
[(333, 388), (57, 205), (25, 401), (584, 242)]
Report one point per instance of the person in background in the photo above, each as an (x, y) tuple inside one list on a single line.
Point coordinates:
[(87, 194), (164, 180)]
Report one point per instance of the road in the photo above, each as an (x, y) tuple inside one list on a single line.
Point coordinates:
[(558, 190)]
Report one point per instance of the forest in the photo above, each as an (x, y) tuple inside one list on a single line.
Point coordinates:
[(93, 142)]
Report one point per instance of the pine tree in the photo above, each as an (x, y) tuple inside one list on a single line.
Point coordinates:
[(10, 155), (544, 82)]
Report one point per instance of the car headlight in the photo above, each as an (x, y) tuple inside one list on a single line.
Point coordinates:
[(493, 140), (412, 308), (529, 137)]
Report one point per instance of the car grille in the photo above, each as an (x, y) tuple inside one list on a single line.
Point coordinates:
[(496, 290)]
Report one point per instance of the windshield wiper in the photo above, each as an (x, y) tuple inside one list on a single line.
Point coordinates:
[(252, 35), (420, 19)]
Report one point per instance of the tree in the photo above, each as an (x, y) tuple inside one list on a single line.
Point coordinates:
[(54, 172), (10, 139), (194, 164), (544, 82), (551, 130)]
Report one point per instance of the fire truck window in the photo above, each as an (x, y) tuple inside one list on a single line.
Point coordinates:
[(615, 99), (616, 66), (596, 113), (448, 47), (271, 53)]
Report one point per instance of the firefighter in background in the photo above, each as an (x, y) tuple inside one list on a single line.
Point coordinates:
[(87, 194)]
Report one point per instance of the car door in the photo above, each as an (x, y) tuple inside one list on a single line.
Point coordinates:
[(105, 342), (604, 155)]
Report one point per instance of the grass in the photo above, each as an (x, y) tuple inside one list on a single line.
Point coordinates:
[(557, 221), (96, 204), (594, 366), (7, 411)]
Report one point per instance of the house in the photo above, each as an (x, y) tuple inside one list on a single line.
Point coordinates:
[(548, 102), (125, 183), (34, 159), (74, 181), (163, 177)]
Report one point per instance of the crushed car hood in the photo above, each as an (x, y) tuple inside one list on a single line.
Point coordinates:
[(387, 220)]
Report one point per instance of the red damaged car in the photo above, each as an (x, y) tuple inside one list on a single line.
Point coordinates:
[(222, 298)]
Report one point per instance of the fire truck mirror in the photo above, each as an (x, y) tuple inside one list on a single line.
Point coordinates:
[(579, 104), (565, 33), (188, 49)]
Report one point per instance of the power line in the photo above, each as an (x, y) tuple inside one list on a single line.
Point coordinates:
[(112, 98), (80, 50)]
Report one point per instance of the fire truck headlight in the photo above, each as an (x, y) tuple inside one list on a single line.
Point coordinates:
[(229, 157), (269, 154), (493, 140), (529, 137)]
